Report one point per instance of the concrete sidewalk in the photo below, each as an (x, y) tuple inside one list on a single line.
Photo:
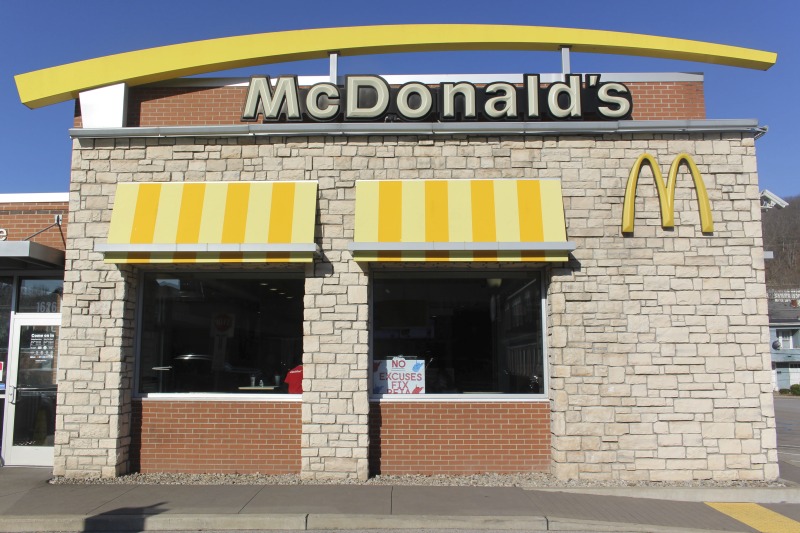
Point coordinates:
[(29, 503)]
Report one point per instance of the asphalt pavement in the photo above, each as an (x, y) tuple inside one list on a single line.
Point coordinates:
[(787, 419)]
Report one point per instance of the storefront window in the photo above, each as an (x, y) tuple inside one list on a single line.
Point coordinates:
[(449, 334), (231, 333), (40, 295)]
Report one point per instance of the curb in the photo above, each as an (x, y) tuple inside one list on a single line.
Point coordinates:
[(306, 522), (427, 522), (163, 522)]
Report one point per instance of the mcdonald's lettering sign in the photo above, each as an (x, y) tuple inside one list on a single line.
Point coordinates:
[(666, 193)]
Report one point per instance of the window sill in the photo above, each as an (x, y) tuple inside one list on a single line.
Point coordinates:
[(219, 397), (459, 398)]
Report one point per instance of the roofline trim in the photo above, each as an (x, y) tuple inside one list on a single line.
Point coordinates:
[(44, 197), (436, 79), (430, 128)]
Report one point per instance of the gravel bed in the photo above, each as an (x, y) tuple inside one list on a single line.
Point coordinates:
[(523, 480)]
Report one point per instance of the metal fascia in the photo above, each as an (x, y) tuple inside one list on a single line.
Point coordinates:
[(436, 79), (32, 252), (425, 128)]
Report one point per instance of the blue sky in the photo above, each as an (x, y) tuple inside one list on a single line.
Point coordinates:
[(35, 145)]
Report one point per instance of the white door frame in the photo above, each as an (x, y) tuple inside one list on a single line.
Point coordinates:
[(23, 455)]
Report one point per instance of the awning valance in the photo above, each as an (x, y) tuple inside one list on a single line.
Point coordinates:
[(460, 220), (217, 222)]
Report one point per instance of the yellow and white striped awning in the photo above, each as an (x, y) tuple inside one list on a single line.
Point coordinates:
[(216, 222), (460, 220)]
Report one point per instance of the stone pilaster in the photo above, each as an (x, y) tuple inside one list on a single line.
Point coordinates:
[(95, 371), (335, 437)]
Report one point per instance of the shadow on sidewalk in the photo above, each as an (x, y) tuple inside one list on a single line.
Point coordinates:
[(123, 519)]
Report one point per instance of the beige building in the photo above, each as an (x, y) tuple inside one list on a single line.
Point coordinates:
[(463, 296)]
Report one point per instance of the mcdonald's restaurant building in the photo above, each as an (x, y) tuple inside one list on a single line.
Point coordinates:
[(393, 275)]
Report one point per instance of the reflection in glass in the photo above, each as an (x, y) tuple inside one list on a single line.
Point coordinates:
[(40, 295), (216, 332), (35, 410), (471, 334)]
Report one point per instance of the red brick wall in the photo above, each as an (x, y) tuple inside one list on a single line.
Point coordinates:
[(185, 106), (22, 220), (668, 100), (456, 437), (216, 437), (194, 106), (405, 438)]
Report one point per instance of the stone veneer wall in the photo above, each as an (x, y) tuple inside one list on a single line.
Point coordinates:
[(657, 342), (95, 362)]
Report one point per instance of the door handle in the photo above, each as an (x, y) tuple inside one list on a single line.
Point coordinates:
[(12, 395)]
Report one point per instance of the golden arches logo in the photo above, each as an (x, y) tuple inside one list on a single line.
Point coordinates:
[(666, 193)]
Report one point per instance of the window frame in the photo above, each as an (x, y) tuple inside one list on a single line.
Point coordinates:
[(16, 276), (428, 273), (792, 333), (293, 273)]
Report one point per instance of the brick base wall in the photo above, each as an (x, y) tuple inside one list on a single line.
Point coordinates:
[(217, 437), (463, 438)]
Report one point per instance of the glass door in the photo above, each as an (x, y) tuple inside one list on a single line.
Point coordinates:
[(30, 412)]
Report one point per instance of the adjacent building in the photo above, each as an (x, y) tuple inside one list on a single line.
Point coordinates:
[(32, 243), (784, 337)]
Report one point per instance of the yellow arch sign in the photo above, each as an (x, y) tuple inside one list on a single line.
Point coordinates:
[(666, 194), (65, 82)]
